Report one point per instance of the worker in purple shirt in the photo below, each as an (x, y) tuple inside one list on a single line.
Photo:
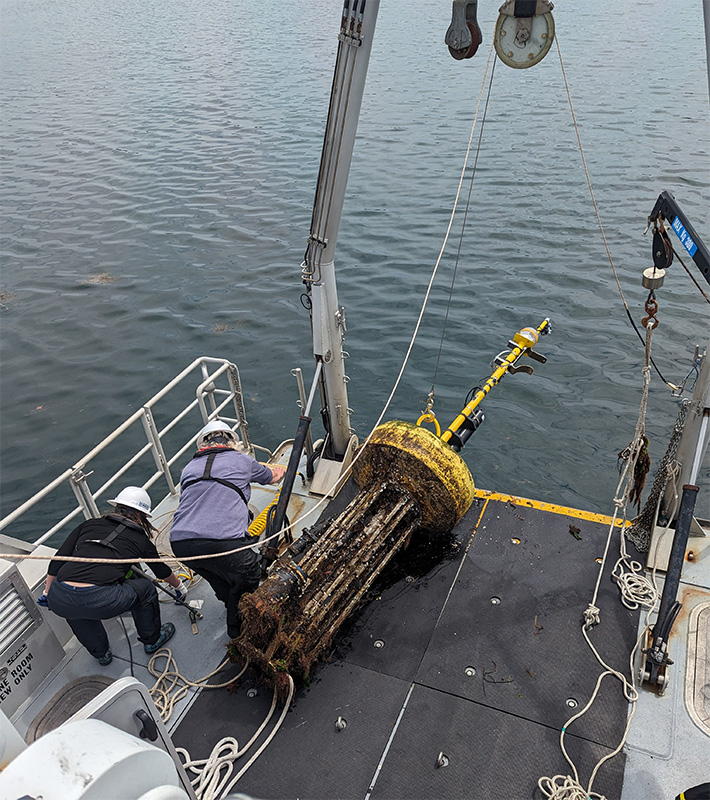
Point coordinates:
[(213, 515)]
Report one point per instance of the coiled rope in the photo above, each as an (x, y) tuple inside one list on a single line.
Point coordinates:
[(636, 590), (171, 686), (213, 773)]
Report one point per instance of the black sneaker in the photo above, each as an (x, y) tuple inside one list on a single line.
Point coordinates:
[(105, 659), (167, 632)]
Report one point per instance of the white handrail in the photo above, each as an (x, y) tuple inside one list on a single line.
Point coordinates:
[(77, 476)]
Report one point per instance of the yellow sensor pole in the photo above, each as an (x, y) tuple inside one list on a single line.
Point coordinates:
[(460, 430)]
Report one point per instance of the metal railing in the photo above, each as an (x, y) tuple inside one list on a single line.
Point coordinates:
[(218, 395)]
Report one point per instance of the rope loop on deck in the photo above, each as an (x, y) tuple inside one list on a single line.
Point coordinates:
[(213, 773), (591, 616), (565, 787), (171, 686)]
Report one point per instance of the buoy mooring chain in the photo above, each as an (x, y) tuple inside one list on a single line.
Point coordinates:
[(410, 480)]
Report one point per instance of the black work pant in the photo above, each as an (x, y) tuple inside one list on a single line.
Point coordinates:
[(84, 607), (230, 576)]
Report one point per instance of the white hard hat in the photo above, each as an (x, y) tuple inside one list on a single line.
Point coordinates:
[(216, 426), (133, 497)]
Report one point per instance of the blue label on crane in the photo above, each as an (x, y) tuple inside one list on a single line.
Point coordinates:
[(685, 238)]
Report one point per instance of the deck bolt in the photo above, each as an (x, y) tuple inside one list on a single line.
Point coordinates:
[(495, 601), (379, 644), (691, 555), (470, 671), (340, 724), (409, 579), (252, 693), (441, 761), (571, 702)]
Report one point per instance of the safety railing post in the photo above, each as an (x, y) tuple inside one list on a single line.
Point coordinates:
[(161, 462), (209, 390), (220, 397), (83, 493)]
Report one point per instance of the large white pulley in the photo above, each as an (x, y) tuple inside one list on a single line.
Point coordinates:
[(524, 32)]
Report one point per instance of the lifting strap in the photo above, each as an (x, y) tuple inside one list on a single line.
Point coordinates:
[(207, 476)]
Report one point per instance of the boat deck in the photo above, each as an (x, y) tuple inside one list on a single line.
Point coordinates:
[(454, 680), (475, 665)]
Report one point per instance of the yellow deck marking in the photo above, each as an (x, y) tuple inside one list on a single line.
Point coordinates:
[(551, 508)]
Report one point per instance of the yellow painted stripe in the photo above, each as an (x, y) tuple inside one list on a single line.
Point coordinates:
[(551, 508)]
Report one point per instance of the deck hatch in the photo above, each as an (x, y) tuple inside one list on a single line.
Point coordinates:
[(697, 674)]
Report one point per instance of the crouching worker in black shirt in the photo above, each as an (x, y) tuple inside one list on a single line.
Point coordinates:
[(85, 593)]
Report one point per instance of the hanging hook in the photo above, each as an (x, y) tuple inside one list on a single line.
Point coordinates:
[(428, 415)]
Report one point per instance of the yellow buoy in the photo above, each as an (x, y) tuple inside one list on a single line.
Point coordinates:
[(424, 465)]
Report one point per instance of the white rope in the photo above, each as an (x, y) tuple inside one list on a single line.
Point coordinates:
[(636, 590), (213, 773), (171, 686)]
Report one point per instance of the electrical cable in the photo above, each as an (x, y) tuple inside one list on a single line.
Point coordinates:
[(128, 642)]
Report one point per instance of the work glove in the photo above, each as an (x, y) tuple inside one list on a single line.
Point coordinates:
[(42, 601), (180, 592)]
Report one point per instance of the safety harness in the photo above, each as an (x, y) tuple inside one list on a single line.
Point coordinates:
[(207, 475), (107, 541)]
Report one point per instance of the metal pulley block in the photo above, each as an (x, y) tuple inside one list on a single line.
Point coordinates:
[(463, 36), (524, 32), (662, 249)]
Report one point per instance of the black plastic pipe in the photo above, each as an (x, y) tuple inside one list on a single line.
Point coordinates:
[(277, 521), (668, 610)]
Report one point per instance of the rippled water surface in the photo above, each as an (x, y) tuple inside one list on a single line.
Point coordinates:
[(172, 149)]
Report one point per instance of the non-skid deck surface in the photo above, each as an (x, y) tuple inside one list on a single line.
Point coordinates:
[(481, 659)]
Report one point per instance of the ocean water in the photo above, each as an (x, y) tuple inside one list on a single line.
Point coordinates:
[(173, 148)]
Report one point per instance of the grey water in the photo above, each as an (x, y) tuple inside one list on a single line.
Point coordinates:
[(171, 149)]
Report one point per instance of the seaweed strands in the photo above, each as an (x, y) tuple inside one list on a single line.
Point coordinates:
[(408, 478), (290, 621)]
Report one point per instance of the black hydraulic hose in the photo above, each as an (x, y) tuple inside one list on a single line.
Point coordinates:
[(311, 463), (668, 610), (277, 520)]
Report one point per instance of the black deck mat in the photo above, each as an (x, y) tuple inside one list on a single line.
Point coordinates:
[(392, 633), (491, 755), (309, 758), (499, 726), (514, 616)]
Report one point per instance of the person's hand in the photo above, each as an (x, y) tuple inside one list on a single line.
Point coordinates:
[(180, 592), (277, 472)]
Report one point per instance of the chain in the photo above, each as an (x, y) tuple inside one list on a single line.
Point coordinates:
[(651, 307), (639, 532)]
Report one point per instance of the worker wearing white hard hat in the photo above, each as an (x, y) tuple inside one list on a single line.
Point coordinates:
[(213, 515), (86, 593)]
